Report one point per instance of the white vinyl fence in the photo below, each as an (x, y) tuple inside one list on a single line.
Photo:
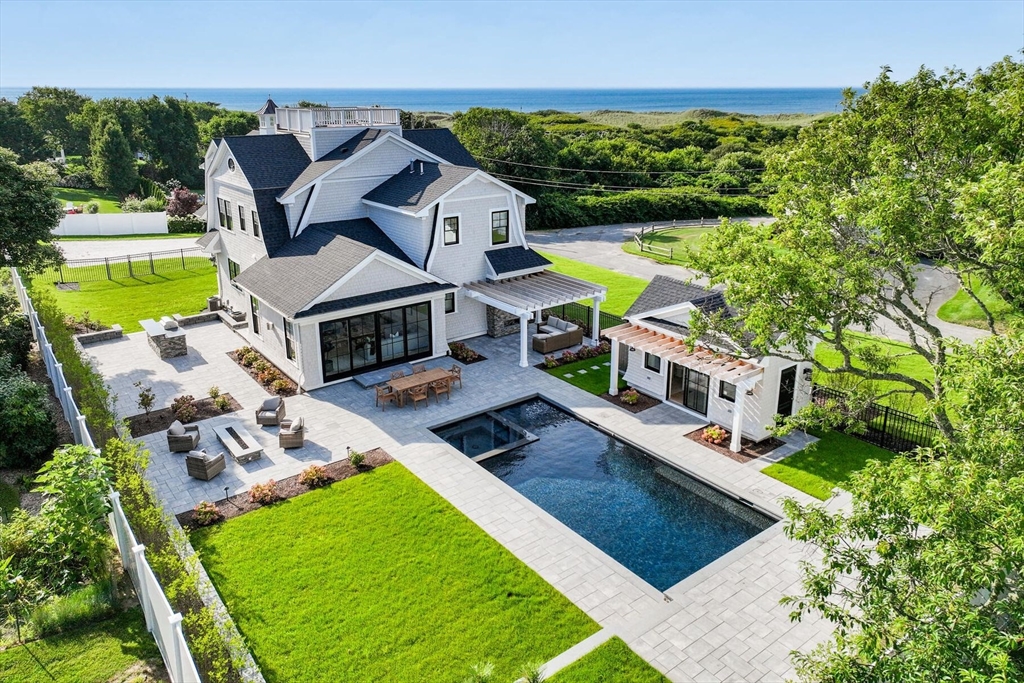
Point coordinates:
[(112, 224), (161, 619)]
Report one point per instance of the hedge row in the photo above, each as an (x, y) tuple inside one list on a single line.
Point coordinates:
[(127, 460), (558, 210)]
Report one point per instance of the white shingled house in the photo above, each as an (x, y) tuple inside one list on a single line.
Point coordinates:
[(716, 381), (348, 244)]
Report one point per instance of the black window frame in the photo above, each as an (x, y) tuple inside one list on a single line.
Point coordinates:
[(227, 212), (233, 270), (656, 367), (289, 341), (444, 231), (255, 224), (450, 296), (223, 221), (722, 392), (378, 315), (241, 218), (494, 228)]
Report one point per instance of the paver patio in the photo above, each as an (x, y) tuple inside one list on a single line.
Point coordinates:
[(722, 623)]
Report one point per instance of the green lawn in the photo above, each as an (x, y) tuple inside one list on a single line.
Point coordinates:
[(622, 289), (378, 578), (964, 310), (146, 236), (612, 662), (829, 463), (679, 240), (97, 653), (592, 381), (128, 301), (107, 201)]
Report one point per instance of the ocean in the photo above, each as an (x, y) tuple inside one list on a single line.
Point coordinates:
[(741, 100)]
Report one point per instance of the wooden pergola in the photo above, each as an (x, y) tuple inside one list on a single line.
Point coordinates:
[(741, 372), (527, 295)]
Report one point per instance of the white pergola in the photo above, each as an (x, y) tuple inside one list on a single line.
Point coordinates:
[(743, 373), (527, 295)]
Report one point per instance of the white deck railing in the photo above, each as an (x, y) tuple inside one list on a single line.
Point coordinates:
[(161, 619), (303, 120)]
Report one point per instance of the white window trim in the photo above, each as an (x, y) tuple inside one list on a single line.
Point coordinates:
[(508, 228), (295, 342), (255, 217), (458, 241)]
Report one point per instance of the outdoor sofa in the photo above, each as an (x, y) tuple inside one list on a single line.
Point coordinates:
[(555, 334)]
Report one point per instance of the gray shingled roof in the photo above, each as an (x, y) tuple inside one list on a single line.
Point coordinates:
[(664, 291), (307, 265), (443, 143), (334, 158), (268, 161), (512, 259), (379, 297), (207, 238), (416, 191)]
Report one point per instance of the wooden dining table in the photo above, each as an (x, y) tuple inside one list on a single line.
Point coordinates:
[(416, 379)]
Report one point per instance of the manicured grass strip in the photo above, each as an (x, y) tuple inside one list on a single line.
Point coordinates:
[(612, 662), (819, 469), (592, 381), (622, 289), (378, 578), (147, 236), (962, 309), (93, 654), (126, 302), (679, 240), (108, 202)]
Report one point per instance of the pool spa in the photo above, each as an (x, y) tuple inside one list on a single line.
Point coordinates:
[(659, 523)]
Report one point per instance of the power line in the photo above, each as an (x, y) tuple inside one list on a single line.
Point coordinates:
[(594, 170)]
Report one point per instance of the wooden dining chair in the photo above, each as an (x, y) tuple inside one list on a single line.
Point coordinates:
[(417, 394), (385, 394), (398, 374), (441, 386), (456, 374), (417, 369)]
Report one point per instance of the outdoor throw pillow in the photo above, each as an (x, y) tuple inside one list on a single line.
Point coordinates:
[(297, 425), (271, 403), (176, 429), (554, 322)]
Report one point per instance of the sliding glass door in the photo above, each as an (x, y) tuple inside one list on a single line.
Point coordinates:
[(689, 388), (364, 342)]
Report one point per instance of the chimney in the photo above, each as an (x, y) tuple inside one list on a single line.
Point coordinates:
[(421, 168)]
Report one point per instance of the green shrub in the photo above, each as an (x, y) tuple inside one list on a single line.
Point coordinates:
[(206, 513), (314, 476), (281, 386), (27, 433), (269, 376), (91, 207), (251, 358), (15, 330), (185, 224), (213, 392), (133, 204), (630, 397), (86, 605), (222, 403), (263, 494), (356, 458), (260, 365), (9, 501)]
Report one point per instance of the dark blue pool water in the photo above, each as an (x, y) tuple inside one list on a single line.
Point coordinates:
[(661, 524)]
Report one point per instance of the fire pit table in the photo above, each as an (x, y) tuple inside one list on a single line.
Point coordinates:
[(242, 446)]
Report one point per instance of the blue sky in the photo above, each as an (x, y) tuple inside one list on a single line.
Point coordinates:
[(497, 44)]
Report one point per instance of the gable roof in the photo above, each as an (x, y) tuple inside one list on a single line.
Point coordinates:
[(415, 191), (335, 157), (307, 265), (513, 259), (207, 238), (443, 143), (268, 161), (665, 292)]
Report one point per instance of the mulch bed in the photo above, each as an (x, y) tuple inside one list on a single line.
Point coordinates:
[(642, 404), (240, 504), (290, 390), (750, 450), (159, 420)]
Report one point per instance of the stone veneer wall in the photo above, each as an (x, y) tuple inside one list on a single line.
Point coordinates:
[(500, 323)]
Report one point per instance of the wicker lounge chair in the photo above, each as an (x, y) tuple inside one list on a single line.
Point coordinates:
[(385, 394), (441, 386), (292, 434), (417, 394), (182, 438), (417, 369), (271, 412), (201, 465), (456, 373), (398, 374)]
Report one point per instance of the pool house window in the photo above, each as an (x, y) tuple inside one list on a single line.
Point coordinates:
[(727, 391), (652, 362), (451, 230), (360, 343), (499, 227)]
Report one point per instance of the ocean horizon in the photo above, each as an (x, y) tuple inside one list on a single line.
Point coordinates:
[(758, 101)]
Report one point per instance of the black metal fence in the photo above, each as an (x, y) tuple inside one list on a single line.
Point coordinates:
[(128, 267), (583, 315), (886, 427)]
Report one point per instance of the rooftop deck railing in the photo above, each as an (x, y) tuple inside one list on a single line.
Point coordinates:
[(303, 120)]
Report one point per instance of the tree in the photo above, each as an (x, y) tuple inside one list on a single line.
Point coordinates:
[(172, 139), (182, 202), (17, 135), (497, 135), (124, 110), (922, 578), (902, 173), (28, 215), (112, 160), (49, 111), (228, 123)]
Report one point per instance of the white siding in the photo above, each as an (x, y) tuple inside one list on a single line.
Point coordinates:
[(293, 211), (649, 382), (375, 277), (341, 200), (412, 235), (384, 160), (306, 143), (326, 139)]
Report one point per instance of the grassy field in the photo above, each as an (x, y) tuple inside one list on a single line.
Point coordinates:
[(819, 469), (612, 662), (679, 240), (962, 309), (146, 236), (622, 289), (591, 381), (94, 654), (128, 301), (657, 119), (108, 202), (378, 578)]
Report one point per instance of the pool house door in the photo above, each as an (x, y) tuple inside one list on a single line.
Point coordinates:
[(688, 388)]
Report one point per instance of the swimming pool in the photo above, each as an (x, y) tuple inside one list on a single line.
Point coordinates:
[(658, 522)]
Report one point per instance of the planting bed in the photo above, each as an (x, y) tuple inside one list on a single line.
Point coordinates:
[(158, 420), (291, 387), (643, 402), (750, 450)]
